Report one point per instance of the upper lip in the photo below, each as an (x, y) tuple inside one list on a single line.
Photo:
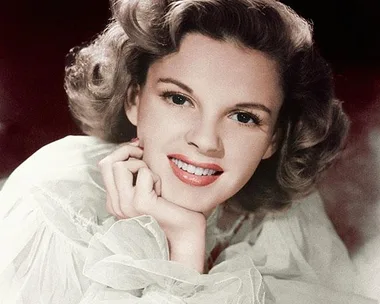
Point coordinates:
[(185, 159)]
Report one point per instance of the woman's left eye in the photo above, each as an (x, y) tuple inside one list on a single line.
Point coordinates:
[(246, 118), (176, 98)]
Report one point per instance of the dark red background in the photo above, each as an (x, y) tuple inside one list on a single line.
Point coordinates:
[(35, 36)]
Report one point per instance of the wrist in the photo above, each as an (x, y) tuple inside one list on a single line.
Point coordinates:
[(189, 248)]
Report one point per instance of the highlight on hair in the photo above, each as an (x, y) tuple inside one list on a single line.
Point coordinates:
[(311, 122)]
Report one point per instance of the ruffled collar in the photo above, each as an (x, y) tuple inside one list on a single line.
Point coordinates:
[(131, 262)]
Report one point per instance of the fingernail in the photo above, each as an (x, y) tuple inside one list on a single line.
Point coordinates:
[(134, 139)]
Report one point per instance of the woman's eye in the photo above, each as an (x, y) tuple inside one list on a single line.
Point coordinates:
[(179, 99), (176, 98), (246, 118)]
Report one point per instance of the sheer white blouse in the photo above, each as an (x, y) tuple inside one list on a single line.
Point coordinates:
[(59, 245)]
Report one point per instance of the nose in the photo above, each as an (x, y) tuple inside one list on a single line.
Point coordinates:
[(205, 136)]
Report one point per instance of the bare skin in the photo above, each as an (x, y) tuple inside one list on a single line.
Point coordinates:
[(185, 229)]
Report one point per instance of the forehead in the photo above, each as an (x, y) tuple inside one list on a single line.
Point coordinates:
[(224, 66)]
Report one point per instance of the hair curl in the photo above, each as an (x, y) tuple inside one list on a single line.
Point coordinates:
[(311, 121)]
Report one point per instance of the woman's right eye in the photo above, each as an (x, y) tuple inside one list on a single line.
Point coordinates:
[(176, 98)]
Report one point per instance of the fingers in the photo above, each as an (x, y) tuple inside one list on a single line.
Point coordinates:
[(124, 180), (145, 195), (126, 153), (147, 199), (132, 189), (109, 183)]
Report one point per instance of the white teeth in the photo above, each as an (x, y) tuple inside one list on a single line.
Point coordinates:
[(199, 171), (180, 164), (192, 169)]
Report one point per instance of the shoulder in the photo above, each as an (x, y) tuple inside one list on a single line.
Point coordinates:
[(64, 154), (304, 235), (63, 176), (305, 221), (68, 159), (69, 155)]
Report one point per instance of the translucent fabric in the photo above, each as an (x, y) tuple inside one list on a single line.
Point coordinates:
[(59, 245)]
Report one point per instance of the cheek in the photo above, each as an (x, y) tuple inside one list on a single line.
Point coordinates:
[(247, 146), (245, 154), (149, 121), (244, 170)]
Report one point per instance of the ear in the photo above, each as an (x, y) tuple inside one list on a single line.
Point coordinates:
[(273, 145), (131, 104)]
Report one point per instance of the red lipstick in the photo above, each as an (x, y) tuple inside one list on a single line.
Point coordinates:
[(193, 179), (201, 165)]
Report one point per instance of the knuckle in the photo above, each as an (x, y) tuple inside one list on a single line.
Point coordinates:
[(127, 211), (104, 162), (139, 206), (121, 215), (114, 211), (117, 165), (144, 165), (144, 171)]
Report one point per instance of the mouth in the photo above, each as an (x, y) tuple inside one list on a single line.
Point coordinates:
[(194, 174)]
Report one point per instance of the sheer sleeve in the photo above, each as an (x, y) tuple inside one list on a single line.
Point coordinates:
[(301, 258), (130, 264), (40, 263), (49, 210), (53, 261), (296, 259)]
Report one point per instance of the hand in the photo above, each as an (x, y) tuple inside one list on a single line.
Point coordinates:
[(133, 190)]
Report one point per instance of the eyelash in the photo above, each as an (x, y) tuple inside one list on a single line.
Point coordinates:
[(167, 95), (257, 121)]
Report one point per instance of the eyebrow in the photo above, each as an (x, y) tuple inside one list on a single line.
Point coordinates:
[(177, 83), (255, 106)]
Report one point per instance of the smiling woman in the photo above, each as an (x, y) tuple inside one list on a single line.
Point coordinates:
[(235, 119), (192, 115)]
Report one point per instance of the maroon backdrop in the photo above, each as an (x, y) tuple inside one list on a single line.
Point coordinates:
[(35, 38)]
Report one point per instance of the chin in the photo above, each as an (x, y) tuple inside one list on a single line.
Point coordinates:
[(193, 202)]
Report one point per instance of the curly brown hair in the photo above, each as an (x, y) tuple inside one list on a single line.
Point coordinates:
[(311, 121)]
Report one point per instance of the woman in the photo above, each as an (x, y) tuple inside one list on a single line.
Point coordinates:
[(235, 118)]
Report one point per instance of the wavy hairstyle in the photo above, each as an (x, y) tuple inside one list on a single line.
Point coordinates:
[(311, 121)]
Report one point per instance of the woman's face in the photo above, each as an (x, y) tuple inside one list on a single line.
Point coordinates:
[(206, 117)]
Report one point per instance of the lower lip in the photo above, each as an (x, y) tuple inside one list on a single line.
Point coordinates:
[(192, 179)]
